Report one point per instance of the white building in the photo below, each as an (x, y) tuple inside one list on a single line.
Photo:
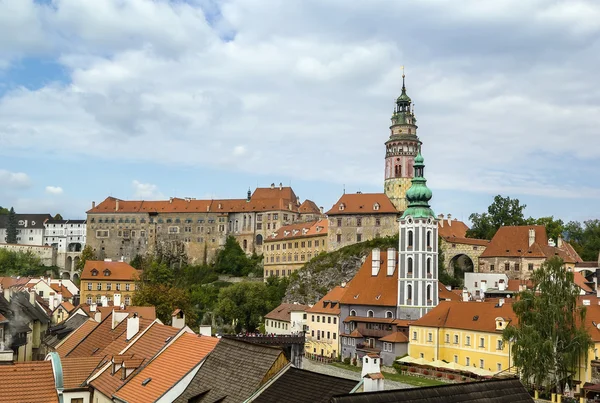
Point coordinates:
[(286, 319), (68, 238), (477, 285), (30, 228)]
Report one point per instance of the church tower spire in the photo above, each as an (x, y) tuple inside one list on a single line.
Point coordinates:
[(401, 150), (418, 250)]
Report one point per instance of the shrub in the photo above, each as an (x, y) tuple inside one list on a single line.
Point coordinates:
[(347, 360)]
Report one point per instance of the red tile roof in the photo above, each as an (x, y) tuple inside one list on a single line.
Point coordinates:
[(73, 339), (453, 228), (107, 271), (330, 303), (67, 306), (379, 290), (77, 370), (283, 311), (167, 368), (467, 241), (299, 230), (445, 294), (309, 207), (27, 382), (513, 241), (7, 282), (62, 289), (363, 203), (145, 312), (478, 316)]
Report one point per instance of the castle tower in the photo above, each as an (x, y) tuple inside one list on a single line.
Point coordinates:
[(418, 250), (400, 151)]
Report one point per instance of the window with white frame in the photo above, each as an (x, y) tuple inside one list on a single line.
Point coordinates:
[(414, 335), (430, 337), (468, 341), (387, 347), (499, 345), (481, 342), (455, 339), (447, 338), (481, 364), (468, 362)]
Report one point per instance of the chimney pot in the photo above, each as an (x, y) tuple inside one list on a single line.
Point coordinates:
[(391, 261), (133, 326), (117, 205), (375, 261), (93, 204)]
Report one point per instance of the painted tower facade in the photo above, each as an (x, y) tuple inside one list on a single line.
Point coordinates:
[(418, 250), (400, 151)]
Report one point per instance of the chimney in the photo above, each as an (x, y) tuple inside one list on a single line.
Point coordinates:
[(104, 300), (290, 206), (391, 261), (6, 293), (280, 186), (93, 307), (98, 316), (321, 209), (559, 241), (531, 236), (465, 295), (205, 330), (375, 264), (272, 185), (51, 301), (93, 204), (450, 220), (501, 302), (133, 326), (441, 219), (117, 300), (178, 319), (32, 297), (501, 285), (371, 373), (117, 205)]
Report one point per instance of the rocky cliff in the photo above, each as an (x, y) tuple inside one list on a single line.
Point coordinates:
[(327, 270)]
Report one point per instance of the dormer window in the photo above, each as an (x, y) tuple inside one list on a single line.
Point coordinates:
[(106, 272), (376, 206), (94, 272), (342, 207)]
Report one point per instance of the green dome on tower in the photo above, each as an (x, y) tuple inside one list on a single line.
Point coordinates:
[(419, 194)]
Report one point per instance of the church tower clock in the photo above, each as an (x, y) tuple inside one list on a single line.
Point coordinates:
[(400, 151)]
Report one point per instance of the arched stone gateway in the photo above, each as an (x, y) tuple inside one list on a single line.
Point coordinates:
[(65, 275), (69, 263), (463, 251), (75, 278), (75, 263)]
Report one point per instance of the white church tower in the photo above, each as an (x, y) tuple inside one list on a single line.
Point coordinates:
[(418, 250)]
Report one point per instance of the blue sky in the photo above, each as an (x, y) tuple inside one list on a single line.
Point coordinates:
[(205, 98)]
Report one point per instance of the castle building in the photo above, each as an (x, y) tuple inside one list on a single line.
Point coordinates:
[(288, 248), (121, 229), (400, 151), (418, 250)]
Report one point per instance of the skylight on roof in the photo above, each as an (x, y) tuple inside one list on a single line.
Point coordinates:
[(146, 381)]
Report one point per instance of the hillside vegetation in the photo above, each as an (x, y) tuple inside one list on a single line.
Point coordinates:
[(327, 270)]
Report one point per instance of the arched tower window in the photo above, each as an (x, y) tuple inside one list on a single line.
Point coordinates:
[(389, 314), (398, 171), (369, 314), (409, 292), (429, 267), (429, 239), (259, 239), (353, 313), (429, 292), (409, 265), (410, 239), (245, 244)]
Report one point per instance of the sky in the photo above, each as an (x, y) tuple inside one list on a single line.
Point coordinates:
[(147, 100)]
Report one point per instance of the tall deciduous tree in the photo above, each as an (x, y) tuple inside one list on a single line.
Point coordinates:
[(87, 254), (11, 228), (502, 212), (550, 337), (554, 228), (3, 210), (585, 238), (233, 260)]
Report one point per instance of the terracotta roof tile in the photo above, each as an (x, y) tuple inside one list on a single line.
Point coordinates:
[(283, 311), (27, 382), (167, 368), (363, 203), (467, 241), (62, 289), (330, 303), (377, 375), (299, 230), (108, 271), (72, 340), (77, 370), (445, 294), (365, 289), (581, 282), (396, 337), (453, 228), (67, 306), (479, 316), (309, 207)]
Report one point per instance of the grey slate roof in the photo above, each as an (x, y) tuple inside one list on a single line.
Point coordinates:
[(231, 373), (494, 391), (26, 220), (58, 332), (300, 386)]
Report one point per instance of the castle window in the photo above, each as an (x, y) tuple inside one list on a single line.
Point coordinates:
[(376, 206), (342, 207), (377, 222), (389, 314), (94, 272), (358, 222), (429, 293), (410, 239), (398, 171), (429, 239), (429, 267), (409, 264), (409, 293), (352, 313), (369, 314)]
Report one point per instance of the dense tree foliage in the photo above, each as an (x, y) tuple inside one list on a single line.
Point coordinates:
[(585, 238), (244, 304), (86, 254), (21, 264), (554, 228), (11, 227), (550, 338), (4, 210), (57, 216), (502, 212), (233, 260), (446, 278)]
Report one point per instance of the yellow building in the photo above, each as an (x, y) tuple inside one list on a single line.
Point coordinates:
[(466, 333), (323, 320), (105, 279), (290, 247)]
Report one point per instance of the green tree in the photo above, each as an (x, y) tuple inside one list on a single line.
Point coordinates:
[(86, 254), (585, 238), (503, 211), (4, 211), (11, 228), (58, 217), (243, 304), (232, 260), (20, 264), (158, 273), (165, 298), (554, 228), (550, 337), (138, 262)]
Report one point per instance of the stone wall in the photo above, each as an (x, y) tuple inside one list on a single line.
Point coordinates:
[(349, 232), (455, 249), (498, 265), (46, 254)]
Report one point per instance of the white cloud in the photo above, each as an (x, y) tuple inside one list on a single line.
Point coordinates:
[(14, 179), (54, 190), (146, 191), (499, 87)]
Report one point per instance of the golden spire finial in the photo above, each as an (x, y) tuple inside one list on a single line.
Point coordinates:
[(402, 71)]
